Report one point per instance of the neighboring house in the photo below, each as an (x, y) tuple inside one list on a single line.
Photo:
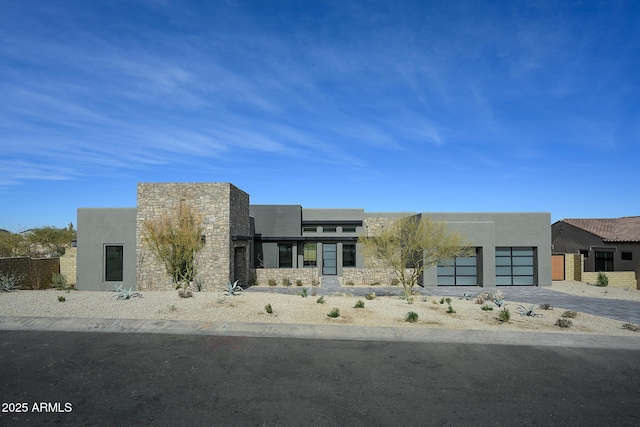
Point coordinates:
[(606, 244), (245, 241)]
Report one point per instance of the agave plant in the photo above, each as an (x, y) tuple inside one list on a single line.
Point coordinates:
[(233, 289), (498, 301), (523, 311), (125, 293), (466, 296), (9, 281)]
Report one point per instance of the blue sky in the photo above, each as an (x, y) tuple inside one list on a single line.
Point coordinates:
[(386, 106)]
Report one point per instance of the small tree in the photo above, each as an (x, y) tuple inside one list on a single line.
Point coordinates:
[(51, 240), (414, 244), (176, 240)]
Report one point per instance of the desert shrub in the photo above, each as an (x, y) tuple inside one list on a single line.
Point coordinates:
[(450, 310), (570, 314), (173, 307), (602, 280), (199, 284), (320, 300), (631, 326), (480, 299), (359, 304), (298, 282), (448, 300), (303, 292), (486, 307), (268, 308), (184, 294), (425, 299), (410, 300), (61, 299), (272, 282), (350, 283), (395, 282), (504, 315), (411, 317), (59, 281), (374, 284), (370, 296), (434, 302), (545, 307), (442, 300), (563, 323), (334, 313), (286, 281)]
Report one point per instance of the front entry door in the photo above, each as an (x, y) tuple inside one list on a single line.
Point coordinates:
[(329, 259)]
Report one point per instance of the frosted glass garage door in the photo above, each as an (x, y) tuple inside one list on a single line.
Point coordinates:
[(515, 266)]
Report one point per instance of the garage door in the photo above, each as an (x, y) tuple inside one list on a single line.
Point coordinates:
[(515, 266)]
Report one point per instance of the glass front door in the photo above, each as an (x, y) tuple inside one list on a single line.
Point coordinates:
[(329, 259)]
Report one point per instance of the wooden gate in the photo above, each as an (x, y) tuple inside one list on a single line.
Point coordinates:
[(557, 267)]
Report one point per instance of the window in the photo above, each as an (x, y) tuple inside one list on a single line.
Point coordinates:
[(348, 255), (285, 255), (604, 261), (328, 229), (626, 256), (309, 229), (310, 254), (348, 229), (113, 263), (584, 253), (515, 266), (460, 271)]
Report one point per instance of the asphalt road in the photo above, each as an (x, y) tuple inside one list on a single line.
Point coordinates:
[(166, 380)]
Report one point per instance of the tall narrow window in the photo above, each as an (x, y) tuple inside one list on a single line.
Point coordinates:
[(113, 263), (348, 255), (310, 254), (285, 255)]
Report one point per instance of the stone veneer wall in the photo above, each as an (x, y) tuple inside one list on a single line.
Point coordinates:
[(262, 275), (369, 276), (225, 211)]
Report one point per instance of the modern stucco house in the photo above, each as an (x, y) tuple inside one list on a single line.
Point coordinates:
[(606, 244), (252, 243)]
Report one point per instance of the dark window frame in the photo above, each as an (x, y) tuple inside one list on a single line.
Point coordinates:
[(309, 263), (113, 273), (350, 260), (287, 260), (626, 256), (603, 261)]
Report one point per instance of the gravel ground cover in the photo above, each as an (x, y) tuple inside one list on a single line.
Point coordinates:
[(294, 309)]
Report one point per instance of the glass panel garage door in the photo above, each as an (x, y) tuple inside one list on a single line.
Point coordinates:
[(515, 266), (461, 271)]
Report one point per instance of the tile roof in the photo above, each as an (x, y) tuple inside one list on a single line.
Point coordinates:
[(625, 229)]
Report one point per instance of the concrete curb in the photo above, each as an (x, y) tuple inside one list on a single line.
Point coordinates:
[(329, 332)]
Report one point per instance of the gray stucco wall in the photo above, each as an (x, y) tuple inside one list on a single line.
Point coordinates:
[(96, 229), (491, 230), (277, 220)]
